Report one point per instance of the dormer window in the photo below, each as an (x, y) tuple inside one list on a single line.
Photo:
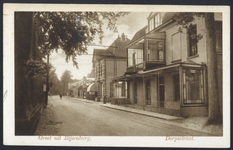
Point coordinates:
[(154, 22)]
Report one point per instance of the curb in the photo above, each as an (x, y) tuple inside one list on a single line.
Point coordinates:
[(150, 114)]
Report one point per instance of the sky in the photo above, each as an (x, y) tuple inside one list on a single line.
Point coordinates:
[(128, 25)]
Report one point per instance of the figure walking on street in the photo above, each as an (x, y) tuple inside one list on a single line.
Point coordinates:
[(60, 96)]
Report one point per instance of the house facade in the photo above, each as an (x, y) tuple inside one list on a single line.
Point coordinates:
[(109, 63), (167, 68)]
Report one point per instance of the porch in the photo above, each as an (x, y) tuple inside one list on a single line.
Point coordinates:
[(178, 89)]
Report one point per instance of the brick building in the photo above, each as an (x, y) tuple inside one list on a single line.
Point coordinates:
[(109, 63)]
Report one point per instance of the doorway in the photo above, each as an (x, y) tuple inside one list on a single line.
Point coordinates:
[(148, 92), (135, 91)]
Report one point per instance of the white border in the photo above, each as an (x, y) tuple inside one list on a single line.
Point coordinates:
[(153, 141)]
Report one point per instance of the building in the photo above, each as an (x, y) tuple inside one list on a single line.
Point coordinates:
[(108, 64), (167, 69), (79, 89)]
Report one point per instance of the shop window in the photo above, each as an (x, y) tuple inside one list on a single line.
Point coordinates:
[(192, 34), (193, 86), (176, 81)]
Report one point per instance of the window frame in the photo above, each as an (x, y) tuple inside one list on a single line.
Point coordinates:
[(201, 99), (192, 42)]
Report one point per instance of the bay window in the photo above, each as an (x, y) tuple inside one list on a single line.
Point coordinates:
[(193, 86)]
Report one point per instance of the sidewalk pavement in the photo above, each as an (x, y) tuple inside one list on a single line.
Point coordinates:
[(194, 123), (132, 110)]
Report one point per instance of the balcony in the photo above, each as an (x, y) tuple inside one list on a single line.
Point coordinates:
[(146, 52), (146, 65)]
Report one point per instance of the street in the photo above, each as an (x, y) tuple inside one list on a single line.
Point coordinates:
[(70, 116)]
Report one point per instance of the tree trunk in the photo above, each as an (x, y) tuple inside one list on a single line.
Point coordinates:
[(215, 116)]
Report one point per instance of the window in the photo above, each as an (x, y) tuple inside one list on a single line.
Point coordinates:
[(96, 72), (124, 89), (100, 70), (151, 24), (155, 50), (192, 40), (193, 86), (176, 87), (135, 55), (155, 22)]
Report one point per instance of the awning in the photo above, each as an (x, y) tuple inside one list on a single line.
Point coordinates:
[(92, 87)]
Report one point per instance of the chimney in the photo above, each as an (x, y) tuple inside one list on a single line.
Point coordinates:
[(123, 37)]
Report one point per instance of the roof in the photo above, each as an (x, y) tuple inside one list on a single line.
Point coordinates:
[(101, 52), (138, 35), (98, 53), (168, 16)]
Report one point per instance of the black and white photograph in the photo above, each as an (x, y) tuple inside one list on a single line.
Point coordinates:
[(101, 75)]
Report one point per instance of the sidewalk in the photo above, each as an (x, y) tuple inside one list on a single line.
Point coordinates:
[(194, 123), (141, 112)]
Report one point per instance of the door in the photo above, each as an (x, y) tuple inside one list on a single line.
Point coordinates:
[(135, 91), (161, 91), (148, 93)]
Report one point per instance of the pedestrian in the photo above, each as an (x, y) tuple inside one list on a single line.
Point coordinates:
[(60, 96)]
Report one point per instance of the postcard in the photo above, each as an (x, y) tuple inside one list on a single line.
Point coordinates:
[(116, 75)]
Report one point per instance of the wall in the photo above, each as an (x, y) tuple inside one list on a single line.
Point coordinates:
[(121, 67), (140, 91), (154, 91), (173, 29), (169, 93), (131, 92), (109, 74)]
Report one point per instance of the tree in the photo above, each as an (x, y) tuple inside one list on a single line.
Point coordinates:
[(71, 31), (186, 21), (65, 79), (91, 74), (54, 83)]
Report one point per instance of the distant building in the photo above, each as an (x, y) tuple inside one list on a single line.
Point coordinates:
[(108, 64), (167, 69), (79, 88)]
